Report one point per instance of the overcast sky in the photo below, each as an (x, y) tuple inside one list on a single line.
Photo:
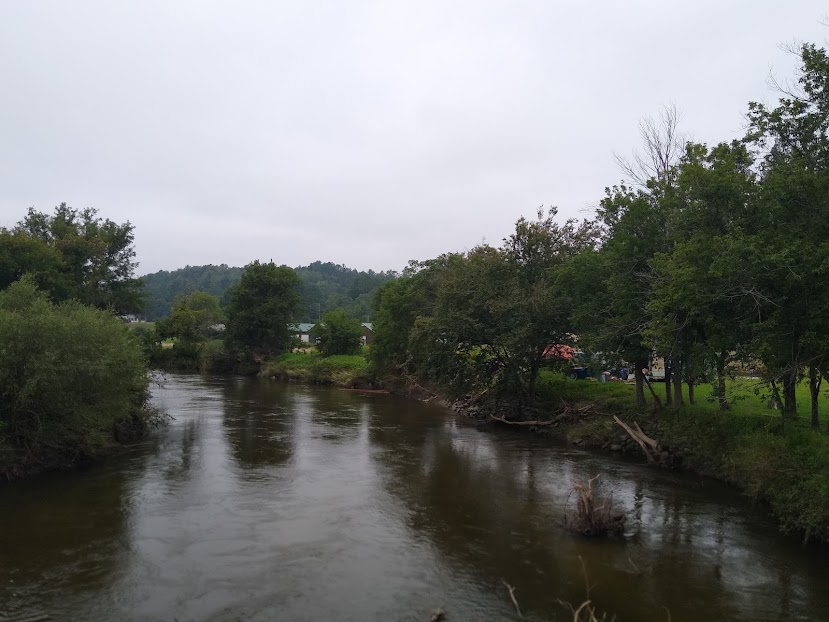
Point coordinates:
[(361, 132)]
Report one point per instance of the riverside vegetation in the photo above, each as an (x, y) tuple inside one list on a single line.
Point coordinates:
[(74, 382), (713, 258)]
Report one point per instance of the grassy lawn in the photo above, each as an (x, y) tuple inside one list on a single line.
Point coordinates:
[(747, 396), (341, 370)]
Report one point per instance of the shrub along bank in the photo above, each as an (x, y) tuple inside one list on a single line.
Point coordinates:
[(73, 382)]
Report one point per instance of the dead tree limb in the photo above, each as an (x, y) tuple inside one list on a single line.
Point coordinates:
[(635, 436), (512, 597), (533, 422), (652, 443)]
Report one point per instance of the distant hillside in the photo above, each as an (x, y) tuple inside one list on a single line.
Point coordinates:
[(324, 286), (162, 287)]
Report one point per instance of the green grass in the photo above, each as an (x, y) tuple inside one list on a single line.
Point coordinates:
[(747, 396), (311, 367)]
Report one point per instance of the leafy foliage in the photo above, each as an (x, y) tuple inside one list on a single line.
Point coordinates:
[(192, 317), (163, 288), (261, 308), (74, 254), (70, 377), (323, 287), (338, 333)]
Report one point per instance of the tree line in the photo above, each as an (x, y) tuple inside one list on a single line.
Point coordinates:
[(322, 287), (256, 322), (707, 255)]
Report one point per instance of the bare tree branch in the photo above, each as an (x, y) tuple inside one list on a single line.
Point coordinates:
[(662, 147)]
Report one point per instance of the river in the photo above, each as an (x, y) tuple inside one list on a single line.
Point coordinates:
[(264, 501)]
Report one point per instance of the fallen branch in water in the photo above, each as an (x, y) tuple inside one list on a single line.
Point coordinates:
[(640, 437), (536, 422), (512, 597)]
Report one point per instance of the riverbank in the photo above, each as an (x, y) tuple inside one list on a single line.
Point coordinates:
[(781, 463), (347, 371)]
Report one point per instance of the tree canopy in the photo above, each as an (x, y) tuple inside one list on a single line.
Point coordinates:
[(710, 256), (74, 254), (338, 333), (261, 308), (70, 375)]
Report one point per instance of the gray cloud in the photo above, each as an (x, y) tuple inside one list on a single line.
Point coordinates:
[(365, 133)]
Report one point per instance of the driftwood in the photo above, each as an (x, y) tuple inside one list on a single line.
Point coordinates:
[(512, 597), (533, 422), (372, 391), (643, 440)]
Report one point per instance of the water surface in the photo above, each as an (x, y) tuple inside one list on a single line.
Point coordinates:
[(264, 501)]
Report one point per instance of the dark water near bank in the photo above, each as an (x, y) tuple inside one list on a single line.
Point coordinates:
[(272, 502)]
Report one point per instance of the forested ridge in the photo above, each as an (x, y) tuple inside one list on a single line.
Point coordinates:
[(323, 287)]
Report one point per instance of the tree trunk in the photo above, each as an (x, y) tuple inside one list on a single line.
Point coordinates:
[(640, 384), (814, 390), (689, 378), (825, 376), (679, 401), (669, 399), (789, 393), (721, 397)]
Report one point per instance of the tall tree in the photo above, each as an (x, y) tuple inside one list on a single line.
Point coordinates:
[(697, 305), (192, 317), (261, 308), (96, 257), (338, 333), (791, 225), (611, 287)]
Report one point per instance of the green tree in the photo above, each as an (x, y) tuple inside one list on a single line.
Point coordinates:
[(610, 287), (191, 317), (71, 379), (398, 304), (96, 257), (261, 308), (498, 310), (696, 306), (791, 230), (21, 254), (338, 333)]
